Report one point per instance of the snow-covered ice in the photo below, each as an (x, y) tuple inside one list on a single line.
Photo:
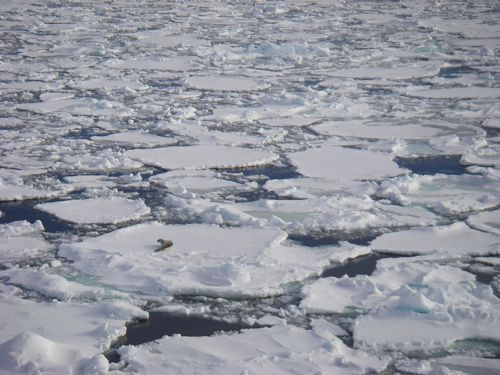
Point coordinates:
[(202, 157), (96, 210), (204, 259)]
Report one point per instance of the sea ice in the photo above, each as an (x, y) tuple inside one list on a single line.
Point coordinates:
[(487, 221), (344, 163), (397, 73), (205, 259), (135, 139), (178, 63), (96, 210), (277, 350), (202, 157), (57, 337), (445, 194), (437, 305), (456, 238), (225, 83), (21, 240), (362, 129), (456, 93)]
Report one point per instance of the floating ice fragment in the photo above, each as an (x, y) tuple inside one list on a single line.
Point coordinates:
[(455, 93), (344, 163), (178, 63), (457, 238), (488, 221), (205, 259), (202, 157), (56, 286), (279, 350), (362, 129), (21, 240), (225, 83), (388, 72), (135, 138), (96, 210)]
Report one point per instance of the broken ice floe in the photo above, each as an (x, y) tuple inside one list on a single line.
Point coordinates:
[(487, 221), (205, 259), (457, 238), (445, 194), (225, 83), (57, 337), (96, 210), (21, 240), (437, 305), (278, 349)]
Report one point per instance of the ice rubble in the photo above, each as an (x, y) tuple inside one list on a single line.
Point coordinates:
[(205, 259), (436, 304), (21, 240), (202, 157), (57, 337), (278, 350), (96, 210), (178, 63), (446, 194)]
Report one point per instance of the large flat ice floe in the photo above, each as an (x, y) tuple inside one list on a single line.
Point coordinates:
[(457, 238), (276, 350), (344, 163), (205, 259), (96, 210), (225, 83), (202, 157)]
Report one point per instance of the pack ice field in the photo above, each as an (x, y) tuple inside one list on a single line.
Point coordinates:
[(254, 187)]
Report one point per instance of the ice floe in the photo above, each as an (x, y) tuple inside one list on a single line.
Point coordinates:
[(57, 337), (21, 240), (96, 210), (205, 259), (224, 83), (445, 194), (488, 221), (438, 305), (202, 157), (456, 238), (136, 139), (344, 163), (178, 63), (277, 350), (456, 93)]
